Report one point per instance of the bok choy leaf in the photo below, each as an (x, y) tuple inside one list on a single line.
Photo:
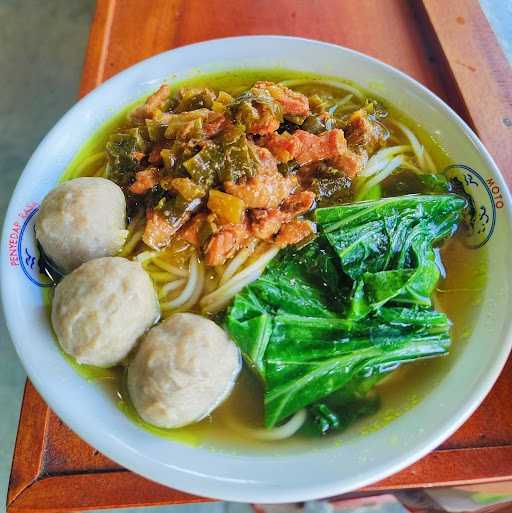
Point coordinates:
[(324, 323)]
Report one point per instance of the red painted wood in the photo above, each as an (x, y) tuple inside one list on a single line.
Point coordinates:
[(476, 70)]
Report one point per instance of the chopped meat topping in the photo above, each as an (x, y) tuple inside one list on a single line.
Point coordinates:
[(145, 180), (267, 189), (224, 244), (266, 223), (220, 158), (293, 232), (137, 155), (214, 124), (292, 102), (267, 163), (191, 231), (363, 133), (158, 231), (153, 103), (351, 163), (154, 156), (284, 147), (305, 147), (263, 121), (297, 204)]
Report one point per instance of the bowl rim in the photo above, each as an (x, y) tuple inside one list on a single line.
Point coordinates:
[(233, 491)]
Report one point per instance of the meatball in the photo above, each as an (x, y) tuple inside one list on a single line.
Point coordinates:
[(80, 220), (102, 308), (184, 368)]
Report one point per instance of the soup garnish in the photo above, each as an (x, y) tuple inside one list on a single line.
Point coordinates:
[(302, 216)]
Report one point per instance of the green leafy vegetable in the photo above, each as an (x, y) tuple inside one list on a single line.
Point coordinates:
[(121, 147), (386, 246), (331, 185), (379, 235), (247, 108), (309, 346), (205, 165), (186, 125), (228, 158), (193, 99), (305, 356), (309, 358), (177, 210), (239, 160), (355, 400), (324, 418), (409, 182), (316, 124)]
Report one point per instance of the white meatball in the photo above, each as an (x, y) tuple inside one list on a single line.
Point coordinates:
[(102, 308), (80, 220), (184, 368)]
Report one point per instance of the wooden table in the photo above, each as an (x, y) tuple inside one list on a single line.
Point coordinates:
[(449, 47)]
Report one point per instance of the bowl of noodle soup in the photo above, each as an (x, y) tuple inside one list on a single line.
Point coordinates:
[(378, 135)]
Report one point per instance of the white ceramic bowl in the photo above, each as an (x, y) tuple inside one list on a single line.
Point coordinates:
[(307, 471)]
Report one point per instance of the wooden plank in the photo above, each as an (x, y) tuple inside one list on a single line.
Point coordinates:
[(125, 489), (29, 450), (128, 31), (98, 46), (451, 468), (65, 452), (477, 68), (57, 494)]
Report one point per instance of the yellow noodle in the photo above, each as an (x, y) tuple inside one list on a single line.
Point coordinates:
[(162, 277), (170, 287), (218, 299), (131, 242), (194, 298), (188, 291), (166, 266), (237, 262), (286, 430), (89, 161)]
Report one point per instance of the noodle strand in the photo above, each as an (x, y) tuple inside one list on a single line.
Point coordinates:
[(380, 159), (424, 160), (379, 177), (89, 161), (332, 83), (237, 262), (187, 292), (282, 432), (170, 268), (198, 288), (218, 299), (170, 286), (131, 242)]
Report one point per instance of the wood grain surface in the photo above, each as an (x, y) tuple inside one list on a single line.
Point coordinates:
[(449, 47), (475, 70), (127, 31)]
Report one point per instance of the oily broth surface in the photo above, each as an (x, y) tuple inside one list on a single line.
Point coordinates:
[(244, 407)]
